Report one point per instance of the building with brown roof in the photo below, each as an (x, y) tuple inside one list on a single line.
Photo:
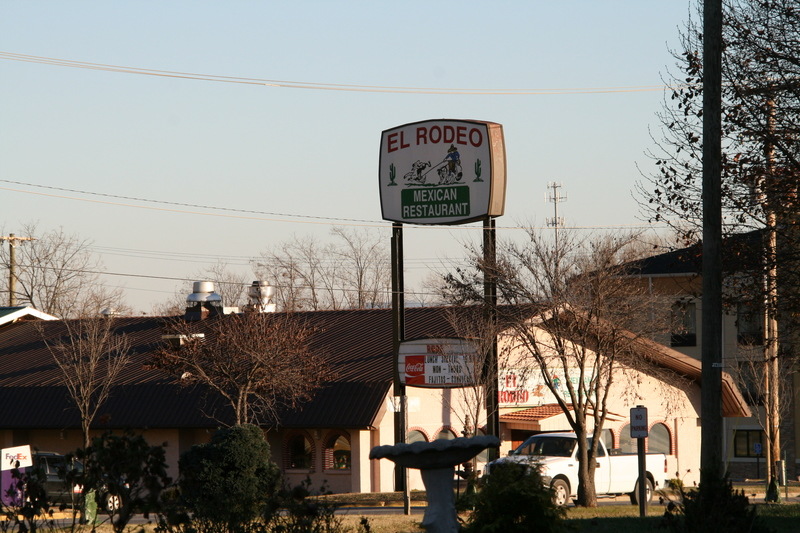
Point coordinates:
[(328, 438)]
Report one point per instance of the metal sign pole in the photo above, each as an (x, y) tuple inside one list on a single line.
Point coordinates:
[(398, 332), (639, 429), (642, 478), (490, 303)]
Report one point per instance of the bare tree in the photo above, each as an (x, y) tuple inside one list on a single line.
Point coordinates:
[(258, 363), (365, 271), (353, 272), (302, 273), (90, 353), (574, 315), (57, 273)]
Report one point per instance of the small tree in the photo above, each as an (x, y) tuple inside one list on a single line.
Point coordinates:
[(90, 355), (227, 483), (258, 363)]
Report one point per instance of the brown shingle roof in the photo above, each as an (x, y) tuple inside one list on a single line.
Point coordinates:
[(357, 344)]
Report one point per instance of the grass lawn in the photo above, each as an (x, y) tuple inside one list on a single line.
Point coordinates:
[(783, 518)]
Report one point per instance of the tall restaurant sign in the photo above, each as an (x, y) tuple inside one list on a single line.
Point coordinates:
[(442, 172), (437, 363)]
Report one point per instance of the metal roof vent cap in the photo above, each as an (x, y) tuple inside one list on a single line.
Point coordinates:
[(260, 294), (203, 301), (203, 291)]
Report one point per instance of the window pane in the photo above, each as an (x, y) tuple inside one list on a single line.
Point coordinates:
[(416, 436), (341, 453), (626, 443), (749, 323), (299, 452), (684, 324), (445, 434), (658, 439), (484, 455), (608, 438)]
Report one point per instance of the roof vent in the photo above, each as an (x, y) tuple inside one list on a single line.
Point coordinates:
[(260, 295), (203, 302)]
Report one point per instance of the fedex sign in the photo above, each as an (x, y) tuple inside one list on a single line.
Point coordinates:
[(18, 456)]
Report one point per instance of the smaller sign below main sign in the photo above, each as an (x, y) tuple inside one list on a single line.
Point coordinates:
[(437, 363)]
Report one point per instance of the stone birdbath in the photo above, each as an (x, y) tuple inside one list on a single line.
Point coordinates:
[(437, 461)]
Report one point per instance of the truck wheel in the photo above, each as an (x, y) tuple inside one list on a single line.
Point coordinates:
[(560, 492), (648, 492)]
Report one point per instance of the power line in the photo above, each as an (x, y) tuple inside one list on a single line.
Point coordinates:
[(351, 222), (324, 86), (164, 202)]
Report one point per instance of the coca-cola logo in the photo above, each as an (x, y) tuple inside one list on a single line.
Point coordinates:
[(415, 368)]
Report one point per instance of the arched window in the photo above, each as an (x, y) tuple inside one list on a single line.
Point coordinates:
[(626, 443), (337, 452), (445, 434), (607, 437), (658, 440), (416, 435), (299, 452)]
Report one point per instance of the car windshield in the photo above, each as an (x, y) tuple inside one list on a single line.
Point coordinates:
[(547, 446)]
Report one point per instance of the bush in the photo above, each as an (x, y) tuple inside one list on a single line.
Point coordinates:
[(714, 507), (230, 483), (126, 467), (305, 514), (514, 499)]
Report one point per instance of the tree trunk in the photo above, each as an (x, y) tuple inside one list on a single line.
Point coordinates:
[(587, 494)]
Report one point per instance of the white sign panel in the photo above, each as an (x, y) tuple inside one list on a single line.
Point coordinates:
[(17, 454), (639, 422), (437, 363), (442, 172)]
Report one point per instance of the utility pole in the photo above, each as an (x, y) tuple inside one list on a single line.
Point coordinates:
[(555, 222), (711, 467), (12, 261)]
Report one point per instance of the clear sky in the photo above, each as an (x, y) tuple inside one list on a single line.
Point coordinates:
[(294, 161)]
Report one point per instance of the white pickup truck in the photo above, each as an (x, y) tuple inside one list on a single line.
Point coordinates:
[(615, 474)]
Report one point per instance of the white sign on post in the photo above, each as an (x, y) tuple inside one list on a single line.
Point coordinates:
[(442, 172), (639, 422)]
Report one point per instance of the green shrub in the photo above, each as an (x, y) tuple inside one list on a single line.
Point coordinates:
[(514, 499), (304, 514), (231, 482), (714, 507)]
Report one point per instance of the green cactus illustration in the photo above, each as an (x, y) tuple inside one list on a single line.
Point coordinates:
[(478, 170), (392, 175)]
